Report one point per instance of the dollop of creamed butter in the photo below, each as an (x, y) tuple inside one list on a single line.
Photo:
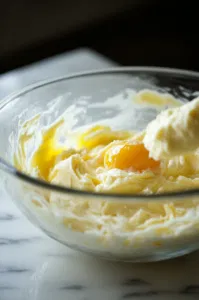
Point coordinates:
[(174, 132)]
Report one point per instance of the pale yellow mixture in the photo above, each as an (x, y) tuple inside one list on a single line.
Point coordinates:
[(162, 158)]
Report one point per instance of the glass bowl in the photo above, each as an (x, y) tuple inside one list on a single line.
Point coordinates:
[(85, 98)]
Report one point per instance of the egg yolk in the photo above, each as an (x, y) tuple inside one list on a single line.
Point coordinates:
[(129, 156)]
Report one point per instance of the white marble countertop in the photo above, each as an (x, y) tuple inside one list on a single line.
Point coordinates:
[(35, 267)]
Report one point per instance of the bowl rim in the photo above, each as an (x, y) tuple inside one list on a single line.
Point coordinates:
[(10, 169)]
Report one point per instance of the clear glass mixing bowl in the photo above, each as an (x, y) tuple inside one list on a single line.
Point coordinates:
[(85, 96)]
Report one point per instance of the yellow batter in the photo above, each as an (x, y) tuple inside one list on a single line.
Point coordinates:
[(162, 158)]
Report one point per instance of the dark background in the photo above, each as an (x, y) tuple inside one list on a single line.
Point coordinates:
[(130, 32)]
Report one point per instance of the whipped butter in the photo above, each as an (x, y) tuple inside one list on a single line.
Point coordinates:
[(174, 132)]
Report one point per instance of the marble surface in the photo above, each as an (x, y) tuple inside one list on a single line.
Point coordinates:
[(35, 267), (63, 64)]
